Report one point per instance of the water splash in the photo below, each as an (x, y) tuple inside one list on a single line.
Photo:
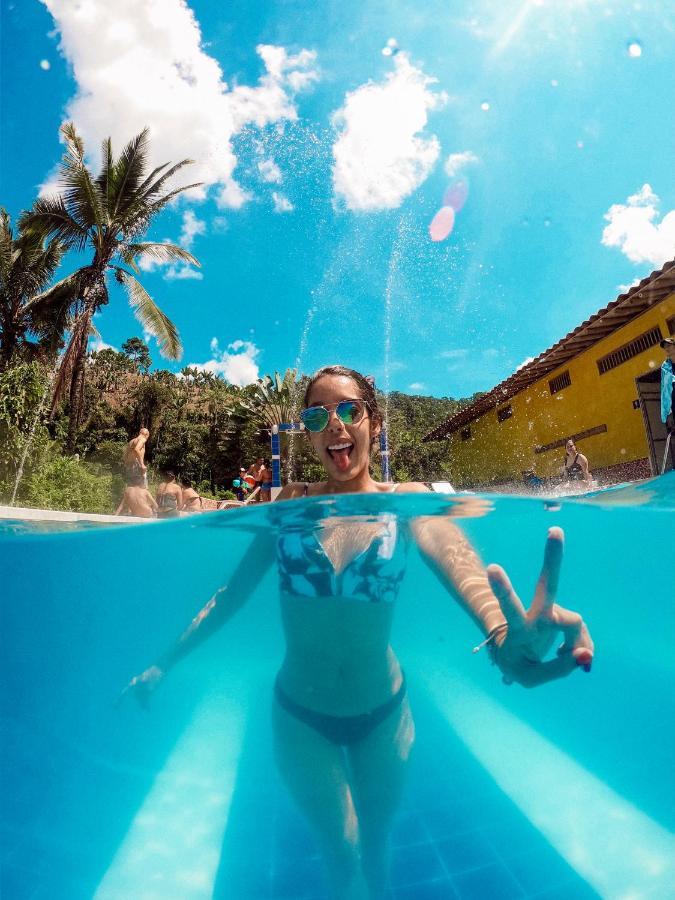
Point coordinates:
[(393, 271)]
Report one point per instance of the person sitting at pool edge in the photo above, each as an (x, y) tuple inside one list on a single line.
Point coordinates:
[(191, 501), (169, 496), (343, 727), (137, 500)]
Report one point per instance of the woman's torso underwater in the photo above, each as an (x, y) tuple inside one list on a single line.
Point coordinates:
[(338, 584)]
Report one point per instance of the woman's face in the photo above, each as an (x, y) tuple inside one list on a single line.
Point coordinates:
[(343, 449)]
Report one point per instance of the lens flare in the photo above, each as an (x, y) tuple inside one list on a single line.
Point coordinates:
[(442, 223), (456, 194)]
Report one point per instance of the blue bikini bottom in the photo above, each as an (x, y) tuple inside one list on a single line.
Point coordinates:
[(342, 730)]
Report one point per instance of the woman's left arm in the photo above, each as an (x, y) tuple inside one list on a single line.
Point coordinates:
[(518, 639)]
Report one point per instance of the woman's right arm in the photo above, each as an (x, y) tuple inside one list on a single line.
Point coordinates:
[(219, 609)]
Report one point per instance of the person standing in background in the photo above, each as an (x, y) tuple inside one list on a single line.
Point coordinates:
[(668, 394), (134, 457)]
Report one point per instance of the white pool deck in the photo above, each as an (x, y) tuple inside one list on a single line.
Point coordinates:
[(57, 515)]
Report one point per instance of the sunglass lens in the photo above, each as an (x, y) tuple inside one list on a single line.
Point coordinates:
[(315, 418), (349, 411)]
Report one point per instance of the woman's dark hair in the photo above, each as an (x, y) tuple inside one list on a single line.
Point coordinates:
[(186, 482), (364, 385), (169, 474)]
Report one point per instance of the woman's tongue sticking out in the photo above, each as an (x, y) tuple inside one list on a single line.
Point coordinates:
[(339, 453)]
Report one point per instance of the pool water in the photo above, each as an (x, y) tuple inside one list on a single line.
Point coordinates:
[(564, 791)]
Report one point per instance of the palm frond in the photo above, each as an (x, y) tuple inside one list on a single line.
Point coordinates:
[(150, 188), (159, 252), (127, 175), (105, 176), (138, 220), (49, 217), (152, 318)]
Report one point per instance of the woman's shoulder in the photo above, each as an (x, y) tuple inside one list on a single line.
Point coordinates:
[(295, 489), (412, 487)]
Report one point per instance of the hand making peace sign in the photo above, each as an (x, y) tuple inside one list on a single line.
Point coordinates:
[(530, 633)]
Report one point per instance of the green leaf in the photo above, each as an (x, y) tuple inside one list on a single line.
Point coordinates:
[(152, 318)]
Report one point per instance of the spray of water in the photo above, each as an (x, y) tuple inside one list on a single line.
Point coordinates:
[(390, 287)]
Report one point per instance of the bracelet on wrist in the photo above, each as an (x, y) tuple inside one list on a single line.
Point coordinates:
[(491, 636)]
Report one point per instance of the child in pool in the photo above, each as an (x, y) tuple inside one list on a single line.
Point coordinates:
[(342, 721)]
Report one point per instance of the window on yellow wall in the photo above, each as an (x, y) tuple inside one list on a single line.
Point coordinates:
[(560, 382), (670, 325), (504, 413), (628, 351)]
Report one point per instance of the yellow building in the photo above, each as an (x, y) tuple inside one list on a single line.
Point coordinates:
[(598, 385)]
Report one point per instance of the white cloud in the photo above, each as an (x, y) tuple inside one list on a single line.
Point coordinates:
[(237, 364), (453, 354), (458, 161), (634, 229), (181, 95), (99, 344), (379, 156), (192, 226), (525, 362), (269, 171), (624, 288), (181, 273), (416, 386), (281, 204)]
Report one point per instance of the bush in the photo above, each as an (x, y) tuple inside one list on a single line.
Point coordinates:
[(68, 484)]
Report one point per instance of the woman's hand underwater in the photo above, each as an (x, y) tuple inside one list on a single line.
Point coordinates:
[(142, 686), (520, 648)]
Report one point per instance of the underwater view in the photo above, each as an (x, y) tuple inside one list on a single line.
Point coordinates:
[(411, 267), (563, 791)]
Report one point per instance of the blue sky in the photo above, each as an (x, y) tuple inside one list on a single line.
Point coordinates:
[(325, 160)]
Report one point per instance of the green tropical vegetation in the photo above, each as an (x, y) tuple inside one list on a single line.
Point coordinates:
[(66, 412)]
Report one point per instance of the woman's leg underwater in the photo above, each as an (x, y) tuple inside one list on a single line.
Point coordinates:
[(378, 769), (316, 775)]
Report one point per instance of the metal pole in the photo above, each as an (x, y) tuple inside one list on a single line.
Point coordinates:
[(276, 457), (665, 455), (384, 453)]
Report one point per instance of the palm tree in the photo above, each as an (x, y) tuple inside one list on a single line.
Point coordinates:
[(27, 265), (274, 400), (107, 215)]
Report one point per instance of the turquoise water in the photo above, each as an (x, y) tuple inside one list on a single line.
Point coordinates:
[(564, 791)]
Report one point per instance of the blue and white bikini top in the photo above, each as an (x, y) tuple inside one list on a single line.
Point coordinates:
[(373, 575)]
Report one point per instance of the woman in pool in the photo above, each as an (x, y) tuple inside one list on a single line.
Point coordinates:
[(342, 722)]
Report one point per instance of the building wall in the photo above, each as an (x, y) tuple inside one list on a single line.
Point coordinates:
[(501, 451)]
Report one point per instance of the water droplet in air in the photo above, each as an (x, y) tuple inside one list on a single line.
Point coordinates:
[(634, 49), (45, 64), (392, 42), (485, 106), (547, 223), (554, 82), (580, 145), (387, 51)]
